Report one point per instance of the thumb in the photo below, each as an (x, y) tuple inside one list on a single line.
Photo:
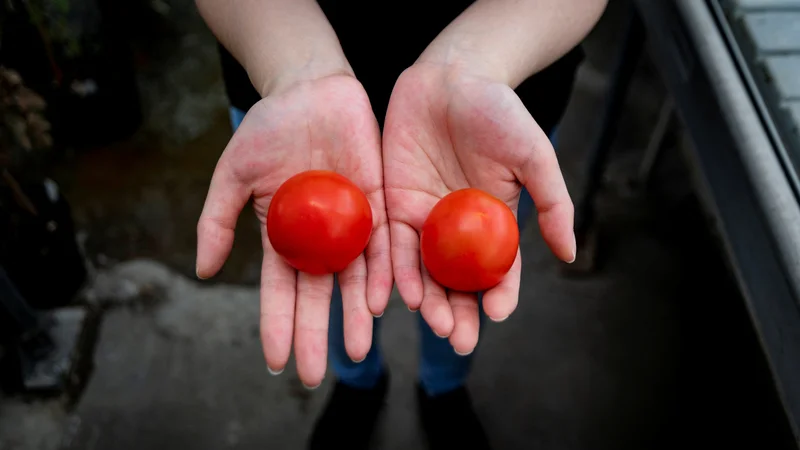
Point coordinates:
[(215, 229), (541, 175)]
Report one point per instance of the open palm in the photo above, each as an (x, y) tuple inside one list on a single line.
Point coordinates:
[(446, 130), (323, 124)]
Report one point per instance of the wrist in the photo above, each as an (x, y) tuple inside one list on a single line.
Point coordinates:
[(510, 40), (280, 77), (458, 55)]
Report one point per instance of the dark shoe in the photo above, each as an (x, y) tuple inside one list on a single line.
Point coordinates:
[(349, 418), (450, 421)]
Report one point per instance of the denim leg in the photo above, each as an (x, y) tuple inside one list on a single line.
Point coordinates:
[(441, 369), (359, 375), (236, 115)]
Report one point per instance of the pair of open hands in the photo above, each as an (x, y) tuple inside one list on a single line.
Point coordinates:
[(444, 130)]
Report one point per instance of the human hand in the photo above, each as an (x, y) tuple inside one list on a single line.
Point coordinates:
[(447, 129), (327, 124)]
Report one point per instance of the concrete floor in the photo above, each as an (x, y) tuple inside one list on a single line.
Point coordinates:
[(654, 350)]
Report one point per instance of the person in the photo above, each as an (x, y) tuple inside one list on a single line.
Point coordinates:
[(409, 101)]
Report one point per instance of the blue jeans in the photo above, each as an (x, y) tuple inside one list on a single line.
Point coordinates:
[(441, 369)]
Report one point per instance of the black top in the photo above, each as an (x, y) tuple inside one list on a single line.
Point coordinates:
[(381, 39)]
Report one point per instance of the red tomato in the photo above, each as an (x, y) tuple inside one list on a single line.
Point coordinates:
[(319, 222), (469, 240)]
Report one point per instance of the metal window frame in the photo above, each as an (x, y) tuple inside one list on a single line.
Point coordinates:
[(741, 175)]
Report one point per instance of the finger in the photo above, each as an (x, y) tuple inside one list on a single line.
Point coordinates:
[(224, 202), (278, 281), (357, 317), (500, 301), (435, 309), (466, 322), (311, 326), (542, 176), (405, 262), (379, 270)]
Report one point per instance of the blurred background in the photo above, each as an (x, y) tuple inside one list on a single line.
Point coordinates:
[(113, 116)]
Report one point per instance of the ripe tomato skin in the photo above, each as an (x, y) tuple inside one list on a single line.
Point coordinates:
[(469, 240), (319, 222)]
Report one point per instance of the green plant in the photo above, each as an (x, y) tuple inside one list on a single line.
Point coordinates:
[(51, 18), (55, 23)]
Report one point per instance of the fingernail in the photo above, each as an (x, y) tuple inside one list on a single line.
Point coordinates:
[(574, 249), (501, 319), (438, 335), (311, 388), (462, 354), (412, 310), (274, 372), (378, 316), (360, 360), (197, 273)]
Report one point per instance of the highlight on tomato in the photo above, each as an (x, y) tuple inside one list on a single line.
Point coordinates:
[(319, 222), (469, 240)]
